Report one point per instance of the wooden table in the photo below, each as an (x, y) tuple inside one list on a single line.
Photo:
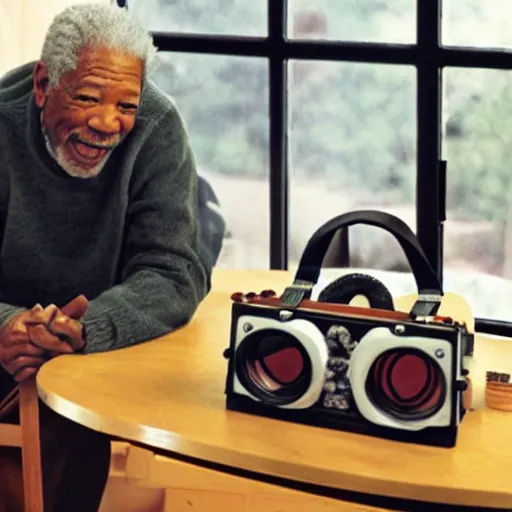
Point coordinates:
[(168, 394)]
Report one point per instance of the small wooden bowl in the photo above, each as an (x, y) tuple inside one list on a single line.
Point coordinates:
[(498, 395)]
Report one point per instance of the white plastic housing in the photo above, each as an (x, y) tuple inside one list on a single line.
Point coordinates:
[(308, 335), (372, 346)]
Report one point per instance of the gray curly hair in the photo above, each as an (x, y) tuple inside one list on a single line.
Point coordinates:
[(94, 24)]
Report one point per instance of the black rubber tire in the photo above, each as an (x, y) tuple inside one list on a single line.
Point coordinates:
[(344, 289)]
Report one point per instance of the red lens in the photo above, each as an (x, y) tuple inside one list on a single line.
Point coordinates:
[(285, 365), (407, 382), (276, 362)]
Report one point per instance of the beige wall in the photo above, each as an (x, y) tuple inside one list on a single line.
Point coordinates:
[(23, 24)]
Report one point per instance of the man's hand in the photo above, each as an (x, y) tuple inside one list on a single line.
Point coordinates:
[(18, 355), (28, 338), (65, 324)]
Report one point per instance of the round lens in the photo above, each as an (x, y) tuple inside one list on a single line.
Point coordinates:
[(274, 365), (406, 383)]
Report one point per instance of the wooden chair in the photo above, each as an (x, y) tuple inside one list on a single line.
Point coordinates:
[(25, 435)]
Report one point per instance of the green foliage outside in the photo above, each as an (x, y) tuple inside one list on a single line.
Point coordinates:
[(351, 125)]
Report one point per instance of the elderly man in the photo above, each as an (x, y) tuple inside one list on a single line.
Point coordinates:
[(99, 243)]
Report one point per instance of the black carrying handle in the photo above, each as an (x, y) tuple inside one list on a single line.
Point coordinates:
[(429, 287)]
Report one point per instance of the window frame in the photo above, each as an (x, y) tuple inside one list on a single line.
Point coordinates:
[(427, 55)]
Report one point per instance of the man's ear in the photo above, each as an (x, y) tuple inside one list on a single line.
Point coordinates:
[(41, 82)]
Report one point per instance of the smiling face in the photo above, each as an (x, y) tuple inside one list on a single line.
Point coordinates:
[(91, 109)]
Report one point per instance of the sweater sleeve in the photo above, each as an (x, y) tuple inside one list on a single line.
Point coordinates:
[(162, 277), (6, 310)]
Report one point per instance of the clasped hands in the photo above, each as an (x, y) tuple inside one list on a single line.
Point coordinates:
[(30, 338)]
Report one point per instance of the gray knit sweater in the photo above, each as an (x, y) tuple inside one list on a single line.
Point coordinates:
[(127, 239)]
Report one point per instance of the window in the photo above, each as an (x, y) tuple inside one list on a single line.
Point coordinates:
[(224, 102), (477, 24), (389, 21), (337, 164), (477, 145), (230, 17), (313, 108)]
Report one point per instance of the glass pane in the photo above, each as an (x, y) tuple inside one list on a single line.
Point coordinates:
[(478, 149), (353, 146), (224, 101), (477, 23), (390, 21), (240, 17)]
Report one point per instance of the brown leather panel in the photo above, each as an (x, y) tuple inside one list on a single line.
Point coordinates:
[(343, 309)]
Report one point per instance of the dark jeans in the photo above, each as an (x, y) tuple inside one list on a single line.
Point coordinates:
[(75, 461)]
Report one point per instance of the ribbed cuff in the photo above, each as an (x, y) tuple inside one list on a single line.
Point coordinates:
[(7, 311), (99, 336)]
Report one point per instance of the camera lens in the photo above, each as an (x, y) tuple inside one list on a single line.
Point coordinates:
[(407, 384), (274, 366)]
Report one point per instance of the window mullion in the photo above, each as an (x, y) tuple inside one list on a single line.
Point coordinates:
[(428, 207), (278, 147)]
